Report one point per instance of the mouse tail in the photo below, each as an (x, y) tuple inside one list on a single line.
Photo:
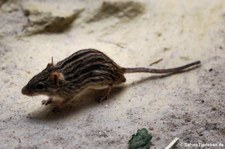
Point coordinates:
[(170, 70)]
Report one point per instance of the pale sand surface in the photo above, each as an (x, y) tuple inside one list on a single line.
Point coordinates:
[(189, 105)]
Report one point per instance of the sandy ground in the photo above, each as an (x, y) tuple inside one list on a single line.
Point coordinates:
[(188, 105)]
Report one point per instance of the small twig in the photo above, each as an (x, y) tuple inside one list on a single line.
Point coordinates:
[(156, 62), (109, 42), (172, 143)]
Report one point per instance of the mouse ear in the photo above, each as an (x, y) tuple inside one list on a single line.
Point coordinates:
[(57, 77), (49, 65)]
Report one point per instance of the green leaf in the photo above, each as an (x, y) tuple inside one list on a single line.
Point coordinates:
[(140, 140)]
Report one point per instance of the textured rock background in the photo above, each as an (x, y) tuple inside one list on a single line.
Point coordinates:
[(133, 33)]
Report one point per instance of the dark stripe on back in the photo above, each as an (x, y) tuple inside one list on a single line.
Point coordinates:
[(86, 62), (75, 56), (81, 62), (92, 69)]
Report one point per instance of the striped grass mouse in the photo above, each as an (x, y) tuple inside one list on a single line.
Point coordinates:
[(87, 68)]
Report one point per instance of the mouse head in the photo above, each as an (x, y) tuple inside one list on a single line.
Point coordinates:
[(47, 82)]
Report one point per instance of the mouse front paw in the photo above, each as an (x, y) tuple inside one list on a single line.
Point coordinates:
[(46, 102)]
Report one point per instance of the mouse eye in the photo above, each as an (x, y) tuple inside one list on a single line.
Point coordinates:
[(40, 86)]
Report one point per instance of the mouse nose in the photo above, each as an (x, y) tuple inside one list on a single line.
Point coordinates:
[(25, 91)]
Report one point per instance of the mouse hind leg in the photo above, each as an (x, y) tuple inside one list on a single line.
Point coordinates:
[(104, 95), (107, 87)]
